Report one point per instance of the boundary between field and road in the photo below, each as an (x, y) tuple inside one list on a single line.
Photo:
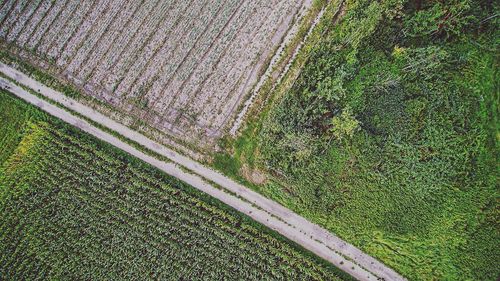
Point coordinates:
[(265, 211)]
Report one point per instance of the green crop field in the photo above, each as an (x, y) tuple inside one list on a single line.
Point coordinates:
[(74, 208), (389, 136)]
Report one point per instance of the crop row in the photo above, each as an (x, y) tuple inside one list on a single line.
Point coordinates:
[(102, 23), (57, 27), (228, 72), (21, 21), (182, 92), (144, 35), (165, 91), (11, 16), (121, 43), (88, 27), (37, 16), (87, 203), (184, 65), (203, 33), (119, 25), (236, 79), (160, 48)]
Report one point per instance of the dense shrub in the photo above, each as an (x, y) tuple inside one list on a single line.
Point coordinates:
[(416, 185)]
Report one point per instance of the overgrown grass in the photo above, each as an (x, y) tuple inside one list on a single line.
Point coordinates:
[(417, 184), (74, 207)]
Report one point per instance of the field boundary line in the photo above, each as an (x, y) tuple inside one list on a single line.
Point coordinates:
[(238, 117), (310, 236)]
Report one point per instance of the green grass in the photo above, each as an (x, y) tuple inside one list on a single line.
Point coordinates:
[(417, 184), (72, 207), (12, 119)]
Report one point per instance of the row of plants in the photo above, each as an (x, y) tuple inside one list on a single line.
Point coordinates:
[(73, 207)]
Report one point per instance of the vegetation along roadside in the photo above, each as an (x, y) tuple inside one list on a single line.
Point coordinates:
[(389, 136)]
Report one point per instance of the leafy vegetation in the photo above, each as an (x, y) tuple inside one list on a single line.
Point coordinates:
[(12, 118), (72, 207), (389, 136)]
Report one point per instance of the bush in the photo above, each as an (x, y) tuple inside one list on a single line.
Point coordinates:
[(344, 126)]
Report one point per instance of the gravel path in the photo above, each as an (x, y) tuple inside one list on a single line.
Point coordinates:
[(273, 215)]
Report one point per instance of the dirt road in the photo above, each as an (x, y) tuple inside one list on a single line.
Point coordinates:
[(311, 236)]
